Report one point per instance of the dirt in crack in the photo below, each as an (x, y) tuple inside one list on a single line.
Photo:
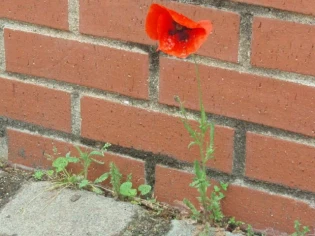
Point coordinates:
[(10, 182)]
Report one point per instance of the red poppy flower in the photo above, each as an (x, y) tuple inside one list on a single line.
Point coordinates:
[(177, 34)]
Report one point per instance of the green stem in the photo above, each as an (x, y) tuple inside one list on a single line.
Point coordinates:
[(202, 141)]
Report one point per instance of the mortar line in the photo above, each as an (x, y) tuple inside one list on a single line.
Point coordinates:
[(2, 47), (245, 38), (74, 15), (76, 114), (239, 157), (82, 38), (154, 75), (278, 190), (150, 167)]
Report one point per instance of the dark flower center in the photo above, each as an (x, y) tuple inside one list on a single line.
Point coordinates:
[(179, 30)]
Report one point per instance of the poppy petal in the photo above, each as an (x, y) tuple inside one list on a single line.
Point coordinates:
[(177, 34), (152, 20)]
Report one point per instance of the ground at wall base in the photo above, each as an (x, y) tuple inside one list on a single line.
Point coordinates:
[(64, 212)]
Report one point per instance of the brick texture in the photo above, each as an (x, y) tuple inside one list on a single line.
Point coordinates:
[(78, 63), (53, 13), (247, 97), (125, 20), (35, 104), (264, 211), (172, 186), (149, 131), (301, 6), (30, 150), (283, 45), (280, 161)]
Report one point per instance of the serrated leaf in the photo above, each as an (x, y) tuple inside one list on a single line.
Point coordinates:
[(60, 164), (194, 211), (144, 189), (96, 153), (102, 178), (224, 186), (216, 188), (97, 161), (83, 183), (38, 174), (97, 190)]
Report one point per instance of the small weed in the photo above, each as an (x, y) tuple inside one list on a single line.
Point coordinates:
[(211, 211), (234, 222), (39, 174), (125, 190), (250, 231), (299, 229), (63, 178)]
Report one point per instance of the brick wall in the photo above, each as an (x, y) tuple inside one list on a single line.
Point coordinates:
[(82, 72)]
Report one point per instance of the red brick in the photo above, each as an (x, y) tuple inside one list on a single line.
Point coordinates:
[(301, 6), (280, 161), (266, 211), (30, 149), (35, 104), (125, 20), (283, 45), (172, 186), (78, 63), (53, 13), (149, 131), (242, 96)]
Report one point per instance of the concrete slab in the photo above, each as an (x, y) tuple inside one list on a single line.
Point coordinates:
[(2, 173), (181, 228), (35, 211), (184, 228)]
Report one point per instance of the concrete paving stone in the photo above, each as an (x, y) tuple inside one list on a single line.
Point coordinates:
[(184, 228), (35, 211)]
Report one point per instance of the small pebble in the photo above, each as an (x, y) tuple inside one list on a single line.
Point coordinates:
[(75, 197)]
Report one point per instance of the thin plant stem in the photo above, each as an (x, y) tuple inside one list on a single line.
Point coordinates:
[(202, 139)]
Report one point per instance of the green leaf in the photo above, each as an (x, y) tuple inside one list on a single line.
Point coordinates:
[(50, 173), (194, 211), (83, 183), (192, 143), (115, 177), (38, 174), (96, 153), (106, 145), (102, 178), (127, 190), (129, 178), (73, 159), (60, 164), (97, 161), (216, 188), (224, 186), (144, 189), (97, 190), (79, 150)]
